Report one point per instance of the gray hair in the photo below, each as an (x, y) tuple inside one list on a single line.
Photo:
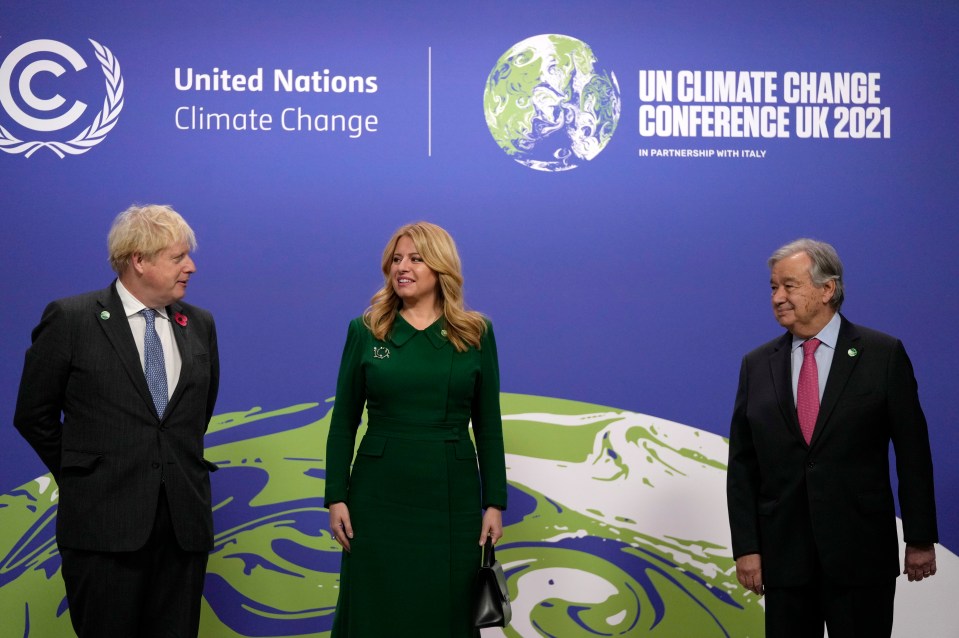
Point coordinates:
[(826, 264)]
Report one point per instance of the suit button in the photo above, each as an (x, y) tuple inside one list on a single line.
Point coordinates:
[(811, 465), (155, 465)]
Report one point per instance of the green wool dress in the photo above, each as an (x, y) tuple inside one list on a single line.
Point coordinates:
[(418, 485)]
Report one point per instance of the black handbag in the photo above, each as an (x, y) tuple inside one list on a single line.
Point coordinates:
[(490, 596)]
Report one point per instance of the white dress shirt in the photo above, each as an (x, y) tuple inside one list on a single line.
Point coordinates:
[(171, 354)]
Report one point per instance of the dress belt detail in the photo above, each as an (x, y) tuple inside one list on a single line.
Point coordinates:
[(417, 430)]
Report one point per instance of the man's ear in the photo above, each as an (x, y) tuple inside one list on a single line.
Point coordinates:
[(828, 291), (136, 262)]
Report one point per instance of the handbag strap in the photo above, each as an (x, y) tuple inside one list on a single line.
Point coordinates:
[(489, 554)]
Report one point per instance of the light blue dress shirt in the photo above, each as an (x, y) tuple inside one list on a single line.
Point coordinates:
[(824, 353)]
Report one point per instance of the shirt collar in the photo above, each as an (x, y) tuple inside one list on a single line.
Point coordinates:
[(829, 335), (402, 332), (131, 305)]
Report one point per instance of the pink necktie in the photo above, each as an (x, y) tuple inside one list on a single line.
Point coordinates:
[(807, 394)]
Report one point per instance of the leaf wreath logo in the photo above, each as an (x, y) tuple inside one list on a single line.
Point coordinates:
[(93, 134)]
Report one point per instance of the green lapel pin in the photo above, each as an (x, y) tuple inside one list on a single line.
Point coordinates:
[(105, 315), (852, 352)]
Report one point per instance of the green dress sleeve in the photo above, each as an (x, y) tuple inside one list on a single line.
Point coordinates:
[(488, 425), (347, 414)]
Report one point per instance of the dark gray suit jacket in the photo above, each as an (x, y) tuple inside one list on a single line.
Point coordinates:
[(830, 501), (85, 407)]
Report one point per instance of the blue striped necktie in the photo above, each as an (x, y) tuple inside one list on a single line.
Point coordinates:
[(153, 365)]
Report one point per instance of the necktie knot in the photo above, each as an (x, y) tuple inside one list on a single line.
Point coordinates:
[(809, 347)]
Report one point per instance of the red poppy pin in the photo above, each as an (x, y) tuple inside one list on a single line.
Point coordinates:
[(180, 318)]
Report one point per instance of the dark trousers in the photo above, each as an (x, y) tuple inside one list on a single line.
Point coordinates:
[(847, 612), (153, 592)]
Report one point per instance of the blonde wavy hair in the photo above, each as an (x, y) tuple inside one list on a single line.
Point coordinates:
[(464, 328), (146, 230)]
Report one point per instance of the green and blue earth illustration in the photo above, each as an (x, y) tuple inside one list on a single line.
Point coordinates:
[(548, 106)]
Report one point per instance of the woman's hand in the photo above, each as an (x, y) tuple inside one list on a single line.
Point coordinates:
[(340, 524), (492, 525)]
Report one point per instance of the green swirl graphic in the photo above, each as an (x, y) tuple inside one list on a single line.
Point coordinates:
[(616, 527)]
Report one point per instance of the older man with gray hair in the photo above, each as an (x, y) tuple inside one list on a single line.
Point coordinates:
[(811, 507)]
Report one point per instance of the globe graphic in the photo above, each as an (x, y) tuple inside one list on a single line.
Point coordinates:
[(547, 105)]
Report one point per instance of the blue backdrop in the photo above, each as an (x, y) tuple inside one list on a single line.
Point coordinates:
[(635, 281)]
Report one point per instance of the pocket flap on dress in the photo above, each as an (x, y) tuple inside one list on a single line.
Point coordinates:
[(372, 445), (80, 458)]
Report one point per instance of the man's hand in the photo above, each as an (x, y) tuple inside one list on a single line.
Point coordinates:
[(749, 572), (920, 561)]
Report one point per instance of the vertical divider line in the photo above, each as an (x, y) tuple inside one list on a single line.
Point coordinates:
[(429, 102)]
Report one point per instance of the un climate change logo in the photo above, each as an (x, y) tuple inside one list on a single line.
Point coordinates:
[(547, 106), (29, 65)]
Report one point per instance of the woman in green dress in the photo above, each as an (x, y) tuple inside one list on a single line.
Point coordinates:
[(420, 501)]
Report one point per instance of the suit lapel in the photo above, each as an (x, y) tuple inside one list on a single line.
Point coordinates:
[(183, 343), (780, 366), (117, 330), (843, 364)]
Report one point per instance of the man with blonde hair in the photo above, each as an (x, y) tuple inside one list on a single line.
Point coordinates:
[(117, 390)]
